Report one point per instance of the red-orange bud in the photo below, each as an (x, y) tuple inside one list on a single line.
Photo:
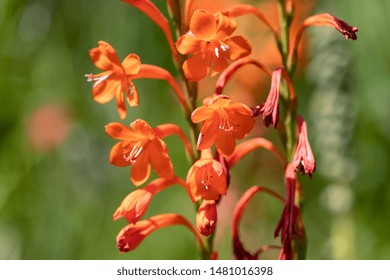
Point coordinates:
[(206, 218)]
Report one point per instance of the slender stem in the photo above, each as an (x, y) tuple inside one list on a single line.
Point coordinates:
[(284, 32), (288, 98)]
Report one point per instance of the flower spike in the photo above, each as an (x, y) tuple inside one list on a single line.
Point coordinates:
[(131, 236), (135, 204), (303, 157), (149, 9), (224, 122), (210, 43), (141, 148)]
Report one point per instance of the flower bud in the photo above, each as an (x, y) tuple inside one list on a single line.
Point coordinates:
[(206, 218)]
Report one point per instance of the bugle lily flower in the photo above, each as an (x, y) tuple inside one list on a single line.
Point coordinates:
[(210, 43), (135, 204), (206, 178), (140, 148), (116, 80), (224, 122)]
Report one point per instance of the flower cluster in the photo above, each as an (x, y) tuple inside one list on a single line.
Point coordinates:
[(207, 45)]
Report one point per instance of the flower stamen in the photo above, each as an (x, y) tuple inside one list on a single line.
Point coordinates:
[(135, 152)]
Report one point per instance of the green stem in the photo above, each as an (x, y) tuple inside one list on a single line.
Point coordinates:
[(284, 33), (287, 131)]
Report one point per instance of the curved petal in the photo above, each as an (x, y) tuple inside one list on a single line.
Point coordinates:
[(219, 179), (131, 64), (104, 57), (200, 114), (238, 47), (225, 142), (246, 123), (118, 153), (120, 103), (197, 67), (208, 133), (142, 128), (105, 90), (140, 170), (122, 132), (189, 44), (203, 25), (226, 25), (159, 159), (219, 64), (132, 95), (241, 116), (220, 101)]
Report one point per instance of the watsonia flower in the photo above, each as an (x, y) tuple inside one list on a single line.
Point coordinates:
[(206, 178), (224, 122), (210, 43), (141, 148)]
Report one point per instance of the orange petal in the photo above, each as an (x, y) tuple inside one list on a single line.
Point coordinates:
[(134, 206), (122, 132), (120, 103), (208, 133), (189, 44), (131, 64), (226, 25), (219, 64), (197, 67), (143, 128), (105, 90), (225, 142), (246, 124), (132, 95), (140, 170), (239, 47), (117, 154), (160, 160), (104, 57), (219, 183), (200, 114), (203, 25), (220, 101)]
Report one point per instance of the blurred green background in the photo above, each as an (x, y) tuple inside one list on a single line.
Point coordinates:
[(58, 191)]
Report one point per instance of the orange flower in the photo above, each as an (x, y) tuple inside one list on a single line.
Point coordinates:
[(206, 178), (115, 80), (225, 121), (135, 204), (209, 42), (141, 148)]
